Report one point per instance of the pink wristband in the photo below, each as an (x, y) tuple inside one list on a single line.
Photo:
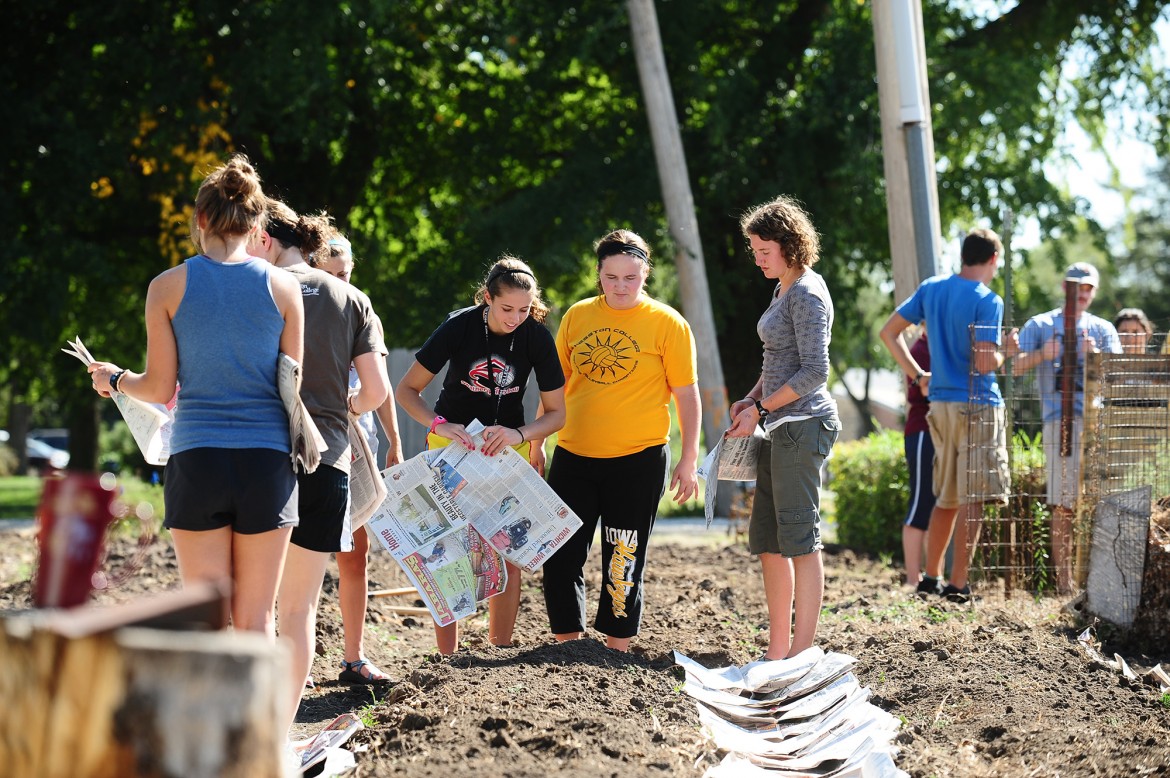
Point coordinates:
[(437, 421)]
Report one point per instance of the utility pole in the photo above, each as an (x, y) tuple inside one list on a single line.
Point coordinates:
[(907, 143), (680, 216)]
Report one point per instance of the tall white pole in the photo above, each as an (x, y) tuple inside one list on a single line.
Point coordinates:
[(907, 143)]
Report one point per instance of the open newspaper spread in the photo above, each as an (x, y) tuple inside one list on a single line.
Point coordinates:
[(149, 423), (304, 438), (451, 516), (732, 459)]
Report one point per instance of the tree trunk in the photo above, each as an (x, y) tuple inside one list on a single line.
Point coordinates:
[(83, 699), (680, 215)]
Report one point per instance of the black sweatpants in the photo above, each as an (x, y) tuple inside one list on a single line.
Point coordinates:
[(623, 492)]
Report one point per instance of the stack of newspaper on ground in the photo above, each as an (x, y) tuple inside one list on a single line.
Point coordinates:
[(452, 516), (802, 716)]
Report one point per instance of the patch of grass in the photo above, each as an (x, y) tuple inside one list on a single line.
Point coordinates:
[(19, 495), (1165, 700), (938, 615), (366, 712)]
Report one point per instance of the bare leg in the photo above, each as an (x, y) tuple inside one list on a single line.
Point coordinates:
[(252, 564), (565, 637), (938, 537), (258, 565), (913, 540), (354, 594), (203, 556), (972, 517), (447, 638), (1062, 548), (618, 644), (502, 609), (300, 589), (809, 590), (778, 585)]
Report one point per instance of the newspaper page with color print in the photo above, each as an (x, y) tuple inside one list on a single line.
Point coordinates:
[(149, 423), (428, 535), (452, 515)]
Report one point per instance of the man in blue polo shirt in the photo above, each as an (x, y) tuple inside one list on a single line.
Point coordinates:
[(966, 416)]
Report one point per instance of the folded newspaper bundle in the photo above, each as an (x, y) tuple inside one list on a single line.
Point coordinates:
[(366, 490), (802, 716), (149, 423), (304, 437), (732, 459)]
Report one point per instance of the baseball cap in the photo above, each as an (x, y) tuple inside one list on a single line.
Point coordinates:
[(1082, 273)]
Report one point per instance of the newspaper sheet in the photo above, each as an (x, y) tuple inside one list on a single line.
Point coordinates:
[(150, 423), (430, 537), (732, 459), (452, 516), (316, 749), (304, 437), (366, 489)]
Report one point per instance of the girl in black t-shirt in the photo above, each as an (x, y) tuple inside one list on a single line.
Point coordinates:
[(490, 350)]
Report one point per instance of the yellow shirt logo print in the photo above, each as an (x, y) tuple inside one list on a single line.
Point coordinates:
[(606, 359)]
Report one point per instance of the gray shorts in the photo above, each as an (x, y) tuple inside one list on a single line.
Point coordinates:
[(786, 510)]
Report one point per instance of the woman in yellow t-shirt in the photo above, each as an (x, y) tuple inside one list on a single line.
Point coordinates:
[(625, 356)]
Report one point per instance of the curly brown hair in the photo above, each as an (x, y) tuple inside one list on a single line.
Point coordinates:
[(785, 221)]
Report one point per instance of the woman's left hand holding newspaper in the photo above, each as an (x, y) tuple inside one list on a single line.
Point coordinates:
[(101, 372)]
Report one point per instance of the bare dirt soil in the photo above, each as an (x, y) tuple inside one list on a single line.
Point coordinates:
[(996, 688)]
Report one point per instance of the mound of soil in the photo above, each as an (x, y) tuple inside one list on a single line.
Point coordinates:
[(996, 688)]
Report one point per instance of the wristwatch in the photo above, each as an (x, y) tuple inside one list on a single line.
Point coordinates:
[(761, 410), (914, 381)]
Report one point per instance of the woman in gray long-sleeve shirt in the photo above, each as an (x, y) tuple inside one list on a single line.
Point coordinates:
[(791, 401)]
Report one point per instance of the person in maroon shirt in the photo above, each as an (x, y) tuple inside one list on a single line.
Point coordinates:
[(920, 461)]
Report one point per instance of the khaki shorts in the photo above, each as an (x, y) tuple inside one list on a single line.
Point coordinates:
[(1064, 473), (970, 453)]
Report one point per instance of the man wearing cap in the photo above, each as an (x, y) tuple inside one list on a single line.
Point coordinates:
[(1042, 347)]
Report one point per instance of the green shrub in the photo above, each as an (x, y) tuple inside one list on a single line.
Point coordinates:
[(118, 450), (872, 488)]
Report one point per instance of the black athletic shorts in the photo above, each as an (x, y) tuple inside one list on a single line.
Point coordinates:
[(324, 511), (251, 490)]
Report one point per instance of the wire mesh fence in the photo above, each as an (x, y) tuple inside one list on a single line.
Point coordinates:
[(1089, 457)]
